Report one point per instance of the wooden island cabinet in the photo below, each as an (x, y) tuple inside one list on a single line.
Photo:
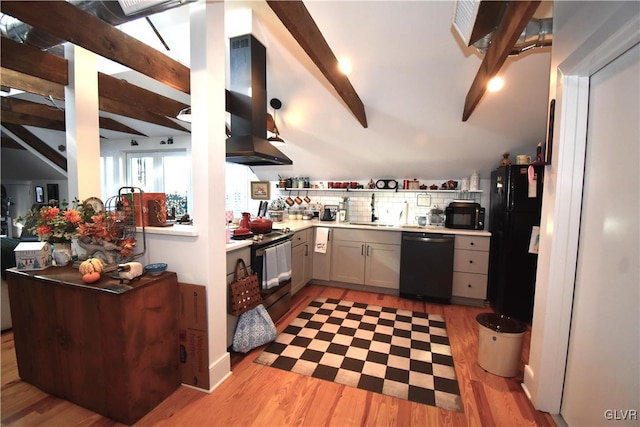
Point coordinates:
[(109, 347)]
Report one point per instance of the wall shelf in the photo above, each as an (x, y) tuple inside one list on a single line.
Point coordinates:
[(377, 190)]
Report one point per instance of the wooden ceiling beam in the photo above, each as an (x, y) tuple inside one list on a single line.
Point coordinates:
[(63, 20), (8, 142), (122, 109), (29, 120), (121, 91), (37, 114), (27, 60), (37, 144), (31, 60), (107, 123), (32, 108), (297, 19), (514, 21), (17, 80), (26, 119)]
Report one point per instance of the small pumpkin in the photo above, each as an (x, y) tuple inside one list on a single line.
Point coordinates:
[(91, 265), (91, 277)]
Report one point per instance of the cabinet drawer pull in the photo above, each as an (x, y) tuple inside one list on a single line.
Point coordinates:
[(471, 243), (368, 250), (469, 285), (362, 250), (470, 261)]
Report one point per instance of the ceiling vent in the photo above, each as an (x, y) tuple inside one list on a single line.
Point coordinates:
[(131, 7), (474, 19)]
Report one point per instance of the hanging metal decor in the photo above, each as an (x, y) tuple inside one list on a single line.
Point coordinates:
[(111, 234)]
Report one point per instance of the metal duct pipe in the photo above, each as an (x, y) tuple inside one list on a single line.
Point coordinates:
[(537, 33), (108, 11)]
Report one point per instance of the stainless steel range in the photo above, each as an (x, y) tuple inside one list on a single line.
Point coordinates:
[(277, 300)]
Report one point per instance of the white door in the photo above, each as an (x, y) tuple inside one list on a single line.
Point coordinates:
[(602, 377)]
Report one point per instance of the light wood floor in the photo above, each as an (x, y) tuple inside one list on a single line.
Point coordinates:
[(256, 395)]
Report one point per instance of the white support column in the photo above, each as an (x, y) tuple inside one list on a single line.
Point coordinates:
[(82, 124), (208, 142)]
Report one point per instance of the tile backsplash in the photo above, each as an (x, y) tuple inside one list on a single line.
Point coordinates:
[(389, 205)]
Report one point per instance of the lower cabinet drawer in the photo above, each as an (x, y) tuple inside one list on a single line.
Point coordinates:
[(469, 285), (471, 261), (473, 243)]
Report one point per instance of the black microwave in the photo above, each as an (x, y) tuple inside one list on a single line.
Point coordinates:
[(464, 215)]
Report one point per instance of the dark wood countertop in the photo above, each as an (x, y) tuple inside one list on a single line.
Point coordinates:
[(70, 276)]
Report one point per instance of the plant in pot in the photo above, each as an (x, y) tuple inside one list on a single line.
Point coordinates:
[(56, 226)]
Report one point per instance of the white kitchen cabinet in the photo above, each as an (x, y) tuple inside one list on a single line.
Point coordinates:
[(301, 259), (470, 269), (321, 261), (347, 261), (366, 257), (382, 268)]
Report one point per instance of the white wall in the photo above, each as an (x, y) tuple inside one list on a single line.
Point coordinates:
[(586, 35)]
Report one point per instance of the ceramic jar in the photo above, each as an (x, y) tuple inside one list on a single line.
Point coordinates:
[(474, 185)]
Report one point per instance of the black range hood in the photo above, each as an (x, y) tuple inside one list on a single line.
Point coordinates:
[(248, 144)]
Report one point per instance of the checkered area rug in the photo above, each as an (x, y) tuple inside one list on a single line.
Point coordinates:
[(384, 350)]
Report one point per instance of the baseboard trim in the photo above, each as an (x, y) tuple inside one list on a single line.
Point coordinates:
[(219, 371)]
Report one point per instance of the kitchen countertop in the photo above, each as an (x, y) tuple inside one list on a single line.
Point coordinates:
[(301, 225), (304, 224), (238, 244)]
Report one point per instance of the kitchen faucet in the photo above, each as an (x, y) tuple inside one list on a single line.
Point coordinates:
[(373, 208)]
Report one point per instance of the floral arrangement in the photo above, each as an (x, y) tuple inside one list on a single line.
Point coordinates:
[(102, 231), (96, 231), (278, 204), (51, 224)]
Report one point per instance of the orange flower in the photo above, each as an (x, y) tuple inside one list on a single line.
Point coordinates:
[(72, 215), (43, 230), (48, 213)]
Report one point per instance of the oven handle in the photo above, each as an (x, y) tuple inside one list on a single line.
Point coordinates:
[(261, 251)]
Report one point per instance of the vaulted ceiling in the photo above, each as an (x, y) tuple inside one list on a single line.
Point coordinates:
[(400, 112)]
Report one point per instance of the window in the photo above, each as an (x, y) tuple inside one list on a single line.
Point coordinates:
[(111, 176), (237, 199), (161, 172), (167, 172)]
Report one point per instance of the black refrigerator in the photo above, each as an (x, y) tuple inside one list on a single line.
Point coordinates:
[(516, 201)]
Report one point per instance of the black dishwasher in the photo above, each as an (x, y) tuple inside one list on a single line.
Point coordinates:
[(426, 266)]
